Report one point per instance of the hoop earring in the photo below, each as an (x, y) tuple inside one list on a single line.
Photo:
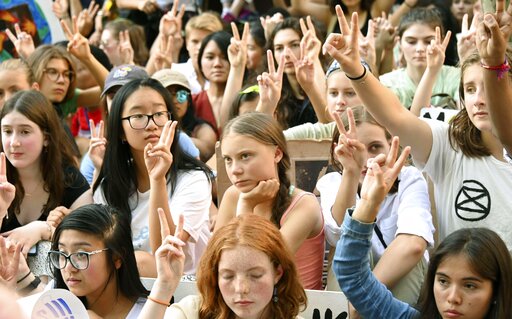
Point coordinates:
[(275, 298)]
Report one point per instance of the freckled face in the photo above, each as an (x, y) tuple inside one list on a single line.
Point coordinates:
[(246, 281)]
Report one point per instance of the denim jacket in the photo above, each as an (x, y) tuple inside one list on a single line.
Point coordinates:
[(352, 268)]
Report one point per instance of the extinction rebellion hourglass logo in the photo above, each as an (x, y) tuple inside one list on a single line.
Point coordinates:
[(473, 202)]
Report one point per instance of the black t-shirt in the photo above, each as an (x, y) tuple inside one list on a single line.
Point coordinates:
[(77, 185)]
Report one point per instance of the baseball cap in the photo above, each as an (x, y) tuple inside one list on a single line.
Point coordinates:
[(122, 74), (170, 77)]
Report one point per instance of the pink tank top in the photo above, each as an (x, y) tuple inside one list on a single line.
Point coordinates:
[(309, 258)]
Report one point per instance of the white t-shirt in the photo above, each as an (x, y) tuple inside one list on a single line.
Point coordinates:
[(187, 69), (136, 309), (405, 212), (469, 192), (192, 198)]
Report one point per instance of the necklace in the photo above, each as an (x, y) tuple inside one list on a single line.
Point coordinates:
[(31, 193)]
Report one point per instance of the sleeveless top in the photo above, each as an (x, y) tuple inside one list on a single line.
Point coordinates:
[(309, 258)]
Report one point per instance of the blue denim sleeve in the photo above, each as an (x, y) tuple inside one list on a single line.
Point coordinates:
[(352, 268)]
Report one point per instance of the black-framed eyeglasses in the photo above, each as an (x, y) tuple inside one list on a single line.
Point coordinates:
[(141, 121), (53, 74), (79, 260)]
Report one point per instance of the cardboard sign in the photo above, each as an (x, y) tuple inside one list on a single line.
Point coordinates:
[(53, 304)]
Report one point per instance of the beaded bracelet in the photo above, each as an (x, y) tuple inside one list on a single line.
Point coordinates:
[(160, 302), (501, 69)]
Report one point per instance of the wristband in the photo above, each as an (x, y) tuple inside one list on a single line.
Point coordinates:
[(160, 302), (360, 78), (24, 277), (501, 69), (31, 286)]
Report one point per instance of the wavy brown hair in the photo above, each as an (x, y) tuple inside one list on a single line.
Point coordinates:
[(256, 232), (39, 59), (463, 134), (55, 157), (266, 130)]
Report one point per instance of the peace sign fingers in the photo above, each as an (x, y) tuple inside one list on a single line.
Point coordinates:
[(168, 133)]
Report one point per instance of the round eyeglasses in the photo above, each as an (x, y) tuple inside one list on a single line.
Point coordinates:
[(141, 121), (53, 74), (79, 260)]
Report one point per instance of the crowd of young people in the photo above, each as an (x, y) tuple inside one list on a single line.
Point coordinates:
[(358, 74)]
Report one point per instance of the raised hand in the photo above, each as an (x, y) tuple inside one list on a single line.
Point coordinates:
[(493, 35), (158, 158), (97, 144), (270, 84), (312, 45), (171, 22), (349, 151), (504, 18), (344, 47), (269, 23), (9, 264), (78, 45), (385, 33), (466, 40), (61, 8), (310, 48), (170, 259), (163, 56), (147, 6), (367, 45), (382, 173), (22, 41), (85, 20), (7, 190), (125, 47), (237, 49), (436, 50)]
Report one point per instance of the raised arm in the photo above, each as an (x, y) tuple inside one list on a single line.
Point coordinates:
[(492, 38), (379, 100), (435, 59), (79, 47), (170, 262), (351, 264), (237, 55), (158, 160), (309, 71), (351, 154)]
